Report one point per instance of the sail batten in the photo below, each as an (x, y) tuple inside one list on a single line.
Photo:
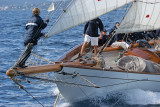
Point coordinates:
[(142, 16), (81, 11)]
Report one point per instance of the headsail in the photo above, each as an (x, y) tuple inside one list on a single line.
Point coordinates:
[(143, 15), (80, 11), (51, 7)]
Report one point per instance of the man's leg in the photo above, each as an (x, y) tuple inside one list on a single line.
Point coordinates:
[(95, 51), (86, 40), (82, 48), (24, 56), (94, 43)]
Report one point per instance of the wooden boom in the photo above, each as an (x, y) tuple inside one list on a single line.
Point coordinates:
[(34, 70), (45, 68)]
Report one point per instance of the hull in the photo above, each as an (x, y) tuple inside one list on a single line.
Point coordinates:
[(74, 88), (84, 78)]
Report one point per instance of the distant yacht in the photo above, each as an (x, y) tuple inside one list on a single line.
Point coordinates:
[(4, 8)]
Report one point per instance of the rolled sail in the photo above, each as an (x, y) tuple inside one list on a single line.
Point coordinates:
[(144, 15), (80, 11), (133, 63)]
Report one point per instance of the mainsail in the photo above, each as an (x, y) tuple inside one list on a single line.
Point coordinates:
[(80, 11), (144, 15)]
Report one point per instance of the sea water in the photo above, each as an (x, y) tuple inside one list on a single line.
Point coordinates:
[(12, 29)]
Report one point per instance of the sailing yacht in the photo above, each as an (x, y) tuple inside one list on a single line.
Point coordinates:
[(83, 78)]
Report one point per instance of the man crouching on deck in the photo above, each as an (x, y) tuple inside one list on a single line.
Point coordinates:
[(91, 34), (32, 35)]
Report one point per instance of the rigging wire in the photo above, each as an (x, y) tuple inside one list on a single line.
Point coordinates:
[(21, 87), (59, 18), (27, 52), (83, 85), (57, 8), (70, 83), (53, 13)]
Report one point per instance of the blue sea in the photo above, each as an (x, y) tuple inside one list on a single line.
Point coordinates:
[(12, 29)]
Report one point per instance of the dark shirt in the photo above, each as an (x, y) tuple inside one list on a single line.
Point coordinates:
[(103, 40), (139, 35), (91, 27), (33, 30), (119, 37), (135, 36)]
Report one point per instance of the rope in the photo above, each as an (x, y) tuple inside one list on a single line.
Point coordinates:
[(87, 80), (107, 42), (69, 83), (43, 58), (63, 73), (57, 99), (55, 81), (21, 87), (97, 76)]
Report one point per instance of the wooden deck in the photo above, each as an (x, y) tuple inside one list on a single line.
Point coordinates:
[(110, 57)]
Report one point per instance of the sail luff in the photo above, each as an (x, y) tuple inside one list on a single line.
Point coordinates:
[(86, 10)]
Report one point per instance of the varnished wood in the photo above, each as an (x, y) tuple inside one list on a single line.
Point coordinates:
[(110, 70), (45, 68), (120, 48), (143, 53), (35, 69), (58, 66), (79, 64)]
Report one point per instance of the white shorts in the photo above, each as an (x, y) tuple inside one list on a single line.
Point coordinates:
[(94, 40)]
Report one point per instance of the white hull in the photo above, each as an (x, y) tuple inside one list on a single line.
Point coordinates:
[(107, 80)]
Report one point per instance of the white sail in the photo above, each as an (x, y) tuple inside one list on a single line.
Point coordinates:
[(51, 7), (80, 11), (143, 15)]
